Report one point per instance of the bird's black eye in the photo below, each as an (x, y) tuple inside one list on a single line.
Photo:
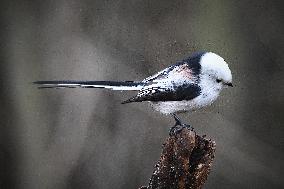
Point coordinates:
[(218, 80)]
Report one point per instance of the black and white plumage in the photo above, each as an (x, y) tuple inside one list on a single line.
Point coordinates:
[(187, 85)]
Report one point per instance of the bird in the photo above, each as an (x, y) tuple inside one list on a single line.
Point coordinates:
[(187, 85)]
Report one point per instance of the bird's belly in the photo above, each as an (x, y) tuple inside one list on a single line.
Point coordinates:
[(167, 107)]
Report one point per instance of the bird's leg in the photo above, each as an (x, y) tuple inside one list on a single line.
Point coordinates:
[(178, 125), (177, 119)]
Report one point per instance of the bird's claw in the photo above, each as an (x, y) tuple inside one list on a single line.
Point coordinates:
[(175, 130), (187, 126), (178, 128)]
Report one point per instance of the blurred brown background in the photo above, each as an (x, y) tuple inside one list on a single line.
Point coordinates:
[(84, 138)]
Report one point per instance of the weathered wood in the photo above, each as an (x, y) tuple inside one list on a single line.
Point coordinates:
[(185, 162)]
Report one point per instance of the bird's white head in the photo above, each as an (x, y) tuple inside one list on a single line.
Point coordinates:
[(215, 68)]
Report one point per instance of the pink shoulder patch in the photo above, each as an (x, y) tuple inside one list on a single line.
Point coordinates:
[(184, 71)]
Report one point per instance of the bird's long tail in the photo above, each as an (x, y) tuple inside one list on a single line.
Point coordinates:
[(114, 85)]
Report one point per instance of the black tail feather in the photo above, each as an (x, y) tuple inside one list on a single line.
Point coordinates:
[(110, 83), (115, 85)]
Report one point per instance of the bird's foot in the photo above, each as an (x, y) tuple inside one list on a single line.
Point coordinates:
[(177, 119), (178, 126), (175, 130)]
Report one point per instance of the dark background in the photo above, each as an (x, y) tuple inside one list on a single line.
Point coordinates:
[(84, 138)]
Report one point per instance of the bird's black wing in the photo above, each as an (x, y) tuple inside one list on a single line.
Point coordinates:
[(177, 93), (174, 84)]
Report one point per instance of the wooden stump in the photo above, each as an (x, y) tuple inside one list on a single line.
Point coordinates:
[(185, 162)]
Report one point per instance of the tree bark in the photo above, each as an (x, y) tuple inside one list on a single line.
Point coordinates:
[(185, 162)]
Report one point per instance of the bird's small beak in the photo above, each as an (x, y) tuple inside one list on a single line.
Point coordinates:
[(229, 84)]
